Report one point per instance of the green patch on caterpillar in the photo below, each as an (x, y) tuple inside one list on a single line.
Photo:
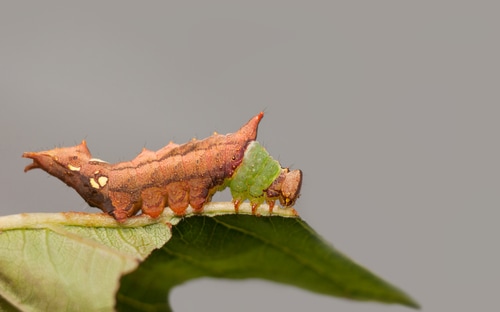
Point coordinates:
[(260, 178)]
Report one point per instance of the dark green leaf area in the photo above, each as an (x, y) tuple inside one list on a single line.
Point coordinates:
[(284, 250)]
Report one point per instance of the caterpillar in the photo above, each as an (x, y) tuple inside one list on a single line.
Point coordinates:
[(176, 175)]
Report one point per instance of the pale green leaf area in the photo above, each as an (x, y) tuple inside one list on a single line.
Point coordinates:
[(69, 261), (89, 262)]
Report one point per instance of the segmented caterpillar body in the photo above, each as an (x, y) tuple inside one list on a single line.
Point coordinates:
[(176, 175)]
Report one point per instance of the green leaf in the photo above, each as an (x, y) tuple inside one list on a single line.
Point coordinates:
[(74, 261), (280, 249), (70, 261)]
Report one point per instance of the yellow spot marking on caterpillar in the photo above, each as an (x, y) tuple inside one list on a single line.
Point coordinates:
[(96, 172), (102, 181), (94, 184), (73, 168)]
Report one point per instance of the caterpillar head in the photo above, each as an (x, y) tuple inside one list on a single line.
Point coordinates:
[(59, 161), (286, 187), (75, 167)]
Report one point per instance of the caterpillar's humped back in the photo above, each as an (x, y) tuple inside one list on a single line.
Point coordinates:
[(174, 176)]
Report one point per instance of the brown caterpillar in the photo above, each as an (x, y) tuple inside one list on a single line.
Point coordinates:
[(174, 176)]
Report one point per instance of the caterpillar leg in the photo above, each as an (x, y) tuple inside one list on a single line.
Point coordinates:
[(199, 193), (153, 201), (254, 208), (270, 203), (237, 203), (178, 197), (125, 205)]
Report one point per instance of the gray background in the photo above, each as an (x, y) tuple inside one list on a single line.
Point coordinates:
[(390, 108)]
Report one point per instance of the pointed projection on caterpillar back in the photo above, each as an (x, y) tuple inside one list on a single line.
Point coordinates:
[(176, 175)]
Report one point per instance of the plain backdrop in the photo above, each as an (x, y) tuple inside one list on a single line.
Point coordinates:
[(390, 108)]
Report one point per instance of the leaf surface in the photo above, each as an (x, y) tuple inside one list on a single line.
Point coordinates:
[(89, 262), (284, 250), (69, 261)]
